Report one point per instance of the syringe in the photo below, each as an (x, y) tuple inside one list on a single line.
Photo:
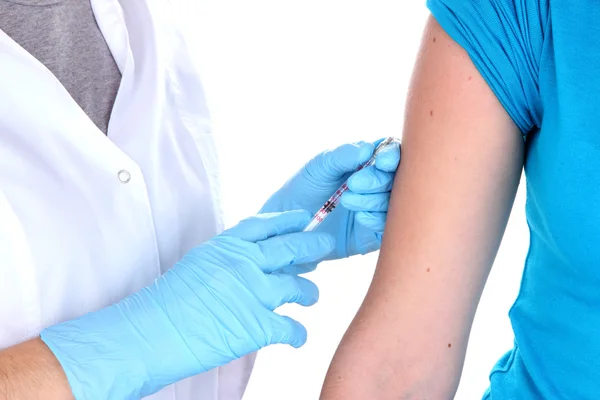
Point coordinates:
[(333, 201)]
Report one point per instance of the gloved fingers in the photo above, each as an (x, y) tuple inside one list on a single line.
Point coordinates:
[(292, 289), (295, 248), (371, 180), (298, 269), (374, 221), (388, 158), (376, 202), (264, 226), (284, 330), (370, 245), (333, 165)]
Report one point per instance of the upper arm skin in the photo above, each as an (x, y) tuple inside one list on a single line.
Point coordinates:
[(462, 158)]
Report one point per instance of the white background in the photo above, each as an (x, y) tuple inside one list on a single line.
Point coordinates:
[(286, 80)]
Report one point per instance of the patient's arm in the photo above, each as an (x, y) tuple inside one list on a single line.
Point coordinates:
[(461, 162)]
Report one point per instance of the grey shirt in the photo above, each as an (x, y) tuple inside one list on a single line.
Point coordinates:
[(64, 36)]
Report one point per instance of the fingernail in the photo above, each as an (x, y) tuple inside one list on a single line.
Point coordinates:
[(389, 158)]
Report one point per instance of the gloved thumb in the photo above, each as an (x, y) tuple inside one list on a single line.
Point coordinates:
[(284, 330), (333, 165)]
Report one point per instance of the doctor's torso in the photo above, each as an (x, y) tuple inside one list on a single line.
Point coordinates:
[(108, 172)]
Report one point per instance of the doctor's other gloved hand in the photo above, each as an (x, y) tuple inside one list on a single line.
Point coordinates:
[(359, 220), (214, 306)]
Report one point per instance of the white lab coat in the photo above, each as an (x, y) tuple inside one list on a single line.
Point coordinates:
[(87, 219)]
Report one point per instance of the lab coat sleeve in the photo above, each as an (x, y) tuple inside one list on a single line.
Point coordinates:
[(505, 40)]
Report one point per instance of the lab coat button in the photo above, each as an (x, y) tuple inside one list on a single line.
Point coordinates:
[(124, 176)]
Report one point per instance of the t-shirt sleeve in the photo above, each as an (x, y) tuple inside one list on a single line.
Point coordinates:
[(505, 40)]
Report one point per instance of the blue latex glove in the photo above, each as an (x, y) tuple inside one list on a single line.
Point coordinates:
[(358, 222), (212, 307)]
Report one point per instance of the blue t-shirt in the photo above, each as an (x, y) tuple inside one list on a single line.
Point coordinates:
[(542, 60)]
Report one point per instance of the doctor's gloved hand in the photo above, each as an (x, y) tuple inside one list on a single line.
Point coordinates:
[(214, 306), (359, 220)]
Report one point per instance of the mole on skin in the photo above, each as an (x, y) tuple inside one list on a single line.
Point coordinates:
[(449, 345)]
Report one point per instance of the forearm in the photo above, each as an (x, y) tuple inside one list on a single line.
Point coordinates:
[(29, 371)]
